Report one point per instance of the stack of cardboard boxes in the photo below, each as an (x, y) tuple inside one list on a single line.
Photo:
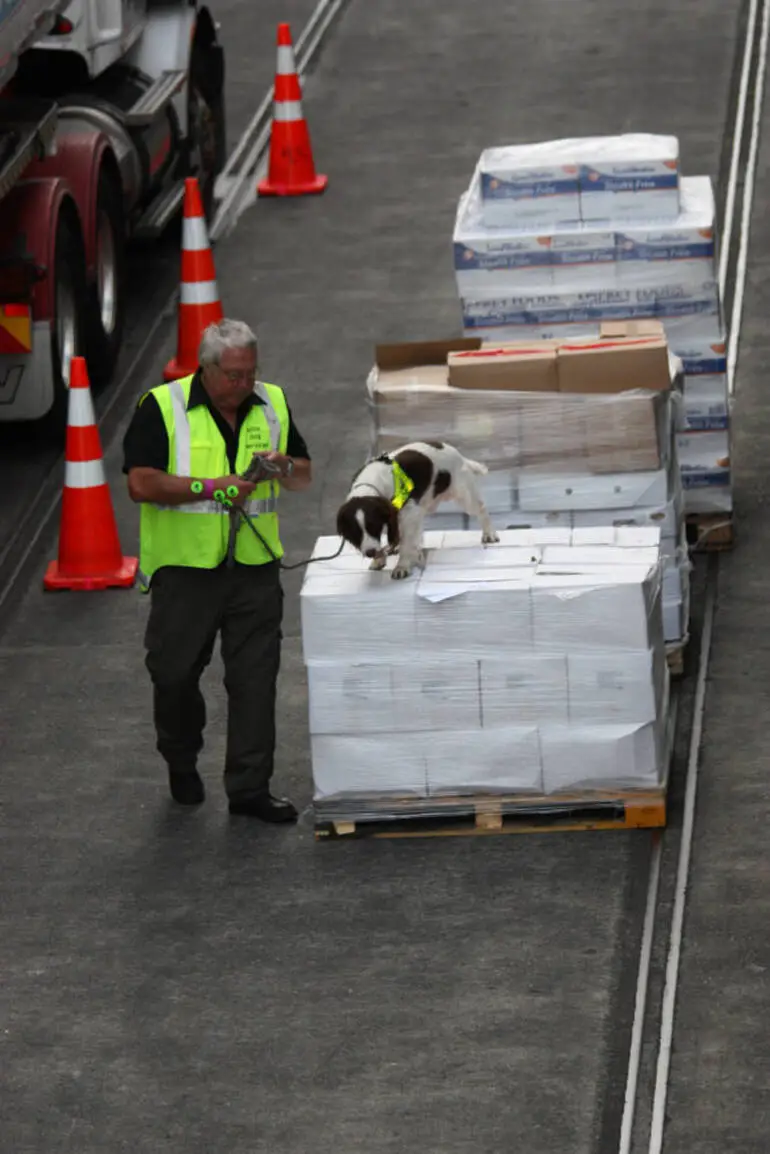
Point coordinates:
[(534, 666), (575, 434), (555, 238)]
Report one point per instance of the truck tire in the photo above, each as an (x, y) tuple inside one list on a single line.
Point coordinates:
[(69, 313), (105, 305)]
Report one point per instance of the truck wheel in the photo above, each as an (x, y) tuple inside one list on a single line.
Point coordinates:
[(105, 312), (68, 315), (207, 140)]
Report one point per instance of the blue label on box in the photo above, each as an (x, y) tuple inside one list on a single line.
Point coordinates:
[(534, 187), (709, 423), (468, 258), (630, 249), (692, 479), (631, 179)]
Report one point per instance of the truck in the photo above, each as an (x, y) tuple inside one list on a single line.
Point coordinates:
[(106, 107)]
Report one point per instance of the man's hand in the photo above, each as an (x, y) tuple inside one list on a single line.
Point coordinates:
[(295, 471), (285, 463), (245, 488)]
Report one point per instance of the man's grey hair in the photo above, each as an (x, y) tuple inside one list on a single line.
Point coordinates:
[(222, 335)]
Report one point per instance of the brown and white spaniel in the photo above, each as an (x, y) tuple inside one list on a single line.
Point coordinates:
[(393, 493)]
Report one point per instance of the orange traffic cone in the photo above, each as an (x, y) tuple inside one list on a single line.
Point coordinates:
[(199, 303), (291, 172), (89, 549)]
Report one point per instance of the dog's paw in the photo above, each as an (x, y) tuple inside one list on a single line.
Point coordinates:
[(400, 572), (490, 538), (378, 562)]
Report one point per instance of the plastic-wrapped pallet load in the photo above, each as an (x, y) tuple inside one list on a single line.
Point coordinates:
[(563, 445), (528, 268), (628, 177), (520, 676)]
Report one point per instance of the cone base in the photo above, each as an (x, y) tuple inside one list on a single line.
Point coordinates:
[(174, 370), (301, 188), (122, 578)]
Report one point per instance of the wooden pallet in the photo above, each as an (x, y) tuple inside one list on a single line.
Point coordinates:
[(483, 816), (675, 658), (710, 532)]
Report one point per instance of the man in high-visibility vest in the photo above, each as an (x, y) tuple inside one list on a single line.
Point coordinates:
[(187, 441)]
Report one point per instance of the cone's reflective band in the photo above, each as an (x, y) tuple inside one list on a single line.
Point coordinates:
[(199, 302), (82, 441), (84, 474), (196, 534), (205, 293), (286, 65), (194, 235), (288, 111), (89, 554)]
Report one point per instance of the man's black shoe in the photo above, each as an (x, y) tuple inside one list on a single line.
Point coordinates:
[(186, 786), (265, 807)]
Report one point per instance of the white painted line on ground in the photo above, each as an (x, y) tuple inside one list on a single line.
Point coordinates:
[(640, 1007), (748, 201), (738, 126), (682, 877)]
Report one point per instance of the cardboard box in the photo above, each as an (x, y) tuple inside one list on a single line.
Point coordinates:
[(505, 761), (526, 368), (613, 366), (620, 688), (667, 515), (581, 491), (523, 689), (623, 537), (365, 616), (476, 559), (475, 614), (617, 609), (440, 695), (350, 766), (706, 402), (627, 433), (616, 330), (351, 699), (602, 756), (533, 519), (413, 365)]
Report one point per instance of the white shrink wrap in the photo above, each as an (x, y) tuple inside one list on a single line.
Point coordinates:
[(364, 616), (618, 609), (596, 757), (602, 178), (494, 761)]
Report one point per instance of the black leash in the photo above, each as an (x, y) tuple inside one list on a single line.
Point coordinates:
[(258, 470)]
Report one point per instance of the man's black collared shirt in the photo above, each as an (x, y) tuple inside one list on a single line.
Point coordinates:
[(145, 444)]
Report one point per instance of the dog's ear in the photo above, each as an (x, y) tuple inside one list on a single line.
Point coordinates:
[(348, 527), (394, 532)]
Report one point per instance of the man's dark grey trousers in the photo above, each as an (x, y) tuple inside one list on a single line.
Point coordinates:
[(189, 607)]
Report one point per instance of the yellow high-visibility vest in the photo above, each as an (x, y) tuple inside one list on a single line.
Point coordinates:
[(196, 534)]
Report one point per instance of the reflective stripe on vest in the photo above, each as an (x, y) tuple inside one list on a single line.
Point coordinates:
[(183, 463)]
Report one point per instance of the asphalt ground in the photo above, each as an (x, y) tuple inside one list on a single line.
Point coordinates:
[(188, 982)]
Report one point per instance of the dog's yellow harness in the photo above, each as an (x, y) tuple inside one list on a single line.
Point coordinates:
[(402, 486)]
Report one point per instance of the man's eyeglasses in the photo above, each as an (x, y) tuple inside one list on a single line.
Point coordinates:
[(236, 375)]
